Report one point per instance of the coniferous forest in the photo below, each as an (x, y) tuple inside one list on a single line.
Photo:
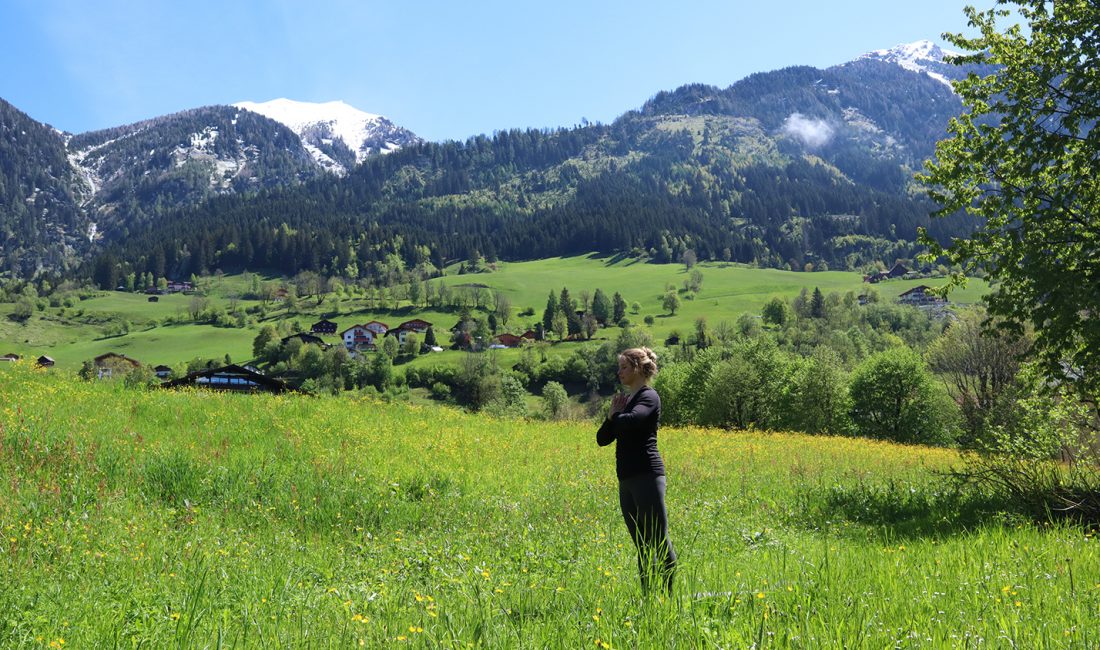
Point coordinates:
[(703, 169), (783, 169)]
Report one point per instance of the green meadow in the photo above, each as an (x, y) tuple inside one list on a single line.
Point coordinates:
[(152, 518), (83, 331)]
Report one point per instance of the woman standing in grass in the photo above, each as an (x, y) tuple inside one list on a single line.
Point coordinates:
[(632, 423)]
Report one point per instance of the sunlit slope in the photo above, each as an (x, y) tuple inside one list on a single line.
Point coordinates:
[(82, 331)]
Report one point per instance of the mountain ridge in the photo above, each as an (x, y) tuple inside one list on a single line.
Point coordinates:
[(867, 123), (319, 125)]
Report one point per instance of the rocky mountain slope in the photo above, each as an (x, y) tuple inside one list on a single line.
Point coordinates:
[(337, 135), (61, 193), (782, 168), (785, 168)]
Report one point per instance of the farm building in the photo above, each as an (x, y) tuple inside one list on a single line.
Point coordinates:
[(920, 295), (230, 378), (509, 340), (323, 327), (112, 363)]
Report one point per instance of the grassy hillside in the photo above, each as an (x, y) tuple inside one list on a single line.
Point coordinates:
[(195, 519), (80, 332)]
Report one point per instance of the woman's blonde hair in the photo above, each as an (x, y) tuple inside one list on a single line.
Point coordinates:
[(643, 360)]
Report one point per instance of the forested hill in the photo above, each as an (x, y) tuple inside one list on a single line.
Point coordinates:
[(782, 169), (41, 222), (60, 193), (142, 170)]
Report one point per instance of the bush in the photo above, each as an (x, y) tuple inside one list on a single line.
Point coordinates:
[(511, 398), (893, 398), (816, 399), (24, 309), (441, 391), (554, 399), (141, 377), (1046, 460)]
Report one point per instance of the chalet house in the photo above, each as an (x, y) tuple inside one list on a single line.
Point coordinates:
[(230, 378), (363, 337), (509, 340), (112, 363), (162, 372), (415, 326), (323, 327), (10, 357), (44, 362), (175, 286), (280, 294), (306, 339), (530, 335), (898, 271), (919, 295), (379, 328)]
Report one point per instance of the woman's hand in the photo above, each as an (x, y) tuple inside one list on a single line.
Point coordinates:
[(618, 403)]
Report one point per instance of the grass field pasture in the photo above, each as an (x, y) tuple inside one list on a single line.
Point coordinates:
[(191, 519), (81, 332)]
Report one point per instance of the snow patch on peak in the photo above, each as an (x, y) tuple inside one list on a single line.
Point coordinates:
[(919, 56), (320, 124), (916, 51)]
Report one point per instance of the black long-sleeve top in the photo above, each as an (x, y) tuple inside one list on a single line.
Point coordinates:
[(634, 431)]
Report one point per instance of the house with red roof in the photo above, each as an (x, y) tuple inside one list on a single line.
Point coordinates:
[(363, 337)]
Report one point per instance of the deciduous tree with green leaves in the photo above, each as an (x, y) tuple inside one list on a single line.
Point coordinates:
[(1024, 159), (893, 398), (671, 302)]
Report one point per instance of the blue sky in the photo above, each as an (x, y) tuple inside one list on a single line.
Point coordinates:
[(446, 70)]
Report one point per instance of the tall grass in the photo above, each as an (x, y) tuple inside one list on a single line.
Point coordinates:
[(194, 519)]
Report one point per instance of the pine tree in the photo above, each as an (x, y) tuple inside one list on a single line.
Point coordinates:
[(601, 307), (817, 304), (569, 309), (548, 313), (619, 307)]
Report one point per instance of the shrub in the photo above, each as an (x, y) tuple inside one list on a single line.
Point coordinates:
[(511, 398), (1046, 459), (893, 398), (441, 391), (554, 399), (816, 399)]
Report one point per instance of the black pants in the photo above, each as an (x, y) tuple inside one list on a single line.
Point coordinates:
[(642, 499)]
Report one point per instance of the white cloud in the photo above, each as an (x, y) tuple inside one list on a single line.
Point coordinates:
[(813, 133)]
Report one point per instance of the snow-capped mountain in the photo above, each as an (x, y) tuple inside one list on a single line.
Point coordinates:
[(337, 135), (871, 120), (920, 56)]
